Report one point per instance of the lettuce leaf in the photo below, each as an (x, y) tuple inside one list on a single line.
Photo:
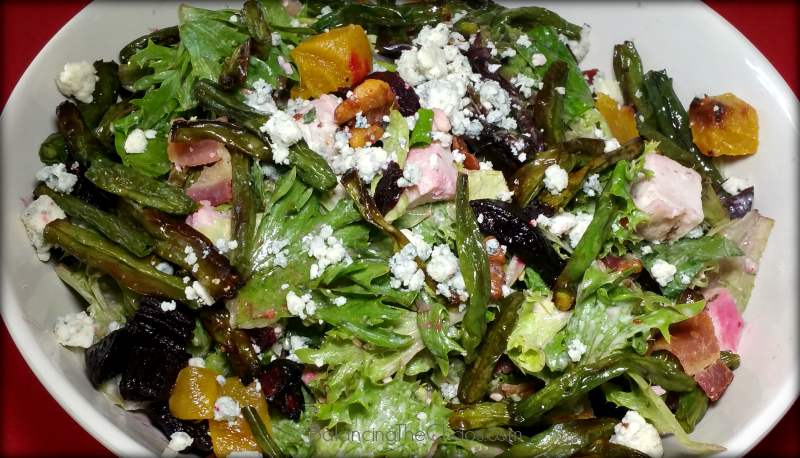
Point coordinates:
[(750, 233), (210, 37), (689, 256), (609, 317), (485, 184), (544, 40), (387, 418), (539, 321), (398, 134), (440, 226), (649, 405)]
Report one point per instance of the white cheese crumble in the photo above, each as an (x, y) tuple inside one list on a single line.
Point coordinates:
[(36, 216), (405, 272), (524, 40), (166, 268), (78, 79), (226, 408), (663, 272), (294, 343), (505, 196), (734, 185), (592, 185), (261, 97), (555, 179), (695, 233), (444, 269), (369, 160), (57, 178), (611, 145), (136, 143), (412, 173), (339, 301), (327, 249), (197, 362), (325, 10), (524, 83), (561, 90), (361, 121), (198, 293), (168, 306), (283, 132), (302, 306), (276, 39), (576, 349), (221, 380), (609, 87), (646, 249), (538, 59), (634, 432), (75, 330), (506, 290), (492, 245), (180, 441)]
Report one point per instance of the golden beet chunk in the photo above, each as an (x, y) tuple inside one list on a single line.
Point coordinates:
[(228, 437), (195, 392), (337, 58), (724, 125), (620, 118)]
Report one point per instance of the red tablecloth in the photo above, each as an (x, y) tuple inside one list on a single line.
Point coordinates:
[(33, 424)]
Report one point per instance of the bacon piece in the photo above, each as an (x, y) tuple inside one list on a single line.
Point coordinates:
[(693, 341), (214, 182), (727, 320), (714, 379)]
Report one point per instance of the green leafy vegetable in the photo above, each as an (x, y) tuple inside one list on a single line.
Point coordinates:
[(421, 135)]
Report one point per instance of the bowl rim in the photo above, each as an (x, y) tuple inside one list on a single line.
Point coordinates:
[(122, 444)]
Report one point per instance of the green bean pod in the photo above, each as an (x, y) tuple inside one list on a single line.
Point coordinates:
[(243, 208), (583, 379), (211, 96), (563, 440), (224, 132), (233, 72), (135, 241), (480, 415), (162, 37), (105, 129), (234, 342), (548, 109), (81, 144), (126, 182), (258, 29), (312, 168), (475, 382), (129, 74), (137, 274), (730, 359), (474, 265), (53, 149)]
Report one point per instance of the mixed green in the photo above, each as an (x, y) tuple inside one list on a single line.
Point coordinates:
[(344, 228)]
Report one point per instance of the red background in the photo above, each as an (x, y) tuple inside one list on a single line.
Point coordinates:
[(33, 424)]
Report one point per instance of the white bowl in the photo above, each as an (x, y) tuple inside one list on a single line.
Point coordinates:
[(699, 49)]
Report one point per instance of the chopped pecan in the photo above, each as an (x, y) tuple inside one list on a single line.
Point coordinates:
[(497, 260), (367, 96)]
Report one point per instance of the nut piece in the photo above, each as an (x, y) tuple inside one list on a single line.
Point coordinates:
[(367, 96), (497, 260)]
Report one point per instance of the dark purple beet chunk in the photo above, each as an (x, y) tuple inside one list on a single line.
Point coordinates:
[(151, 373), (740, 204), (290, 401), (511, 227), (152, 326), (263, 337), (282, 383), (387, 192), (159, 415), (107, 358), (407, 98)]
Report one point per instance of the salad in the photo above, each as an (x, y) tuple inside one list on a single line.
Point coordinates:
[(350, 228)]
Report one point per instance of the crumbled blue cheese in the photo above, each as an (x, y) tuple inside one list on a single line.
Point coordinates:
[(302, 306), (198, 293), (261, 97), (579, 48), (423, 248), (325, 10), (226, 408), (735, 184), (538, 60), (197, 362), (339, 301), (369, 160), (450, 392), (576, 349), (444, 269), (592, 185), (276, 39), (361, 121), (75, 330), (646, 250), (412, 173), (78, 79), (663, 272), (506, 290), (508, 52), (36, 216), (555, 179), (524, 40), (496, 99), (634, 432), (57, 178), (561, 90), (505, 196), (283, 132), (405, 272), (180, 441), (609, 87), (582, 221), (294, 343), (611, 145), (524, 84), (695, 233), (168, 306), (136, 143), (685, 279), (492, 245), (166, 268), (327, 249)]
